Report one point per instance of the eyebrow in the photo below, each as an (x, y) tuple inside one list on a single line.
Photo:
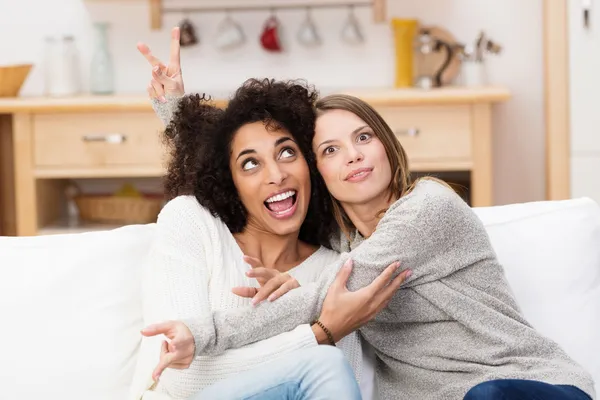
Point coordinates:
[(252, 151), (283, 140), (353, 132)]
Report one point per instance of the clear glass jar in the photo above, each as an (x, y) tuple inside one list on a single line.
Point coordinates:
[(102, 71), (61, 67)]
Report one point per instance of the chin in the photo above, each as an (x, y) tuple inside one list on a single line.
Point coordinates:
[(287, 227), (354, 196), (284, 228)]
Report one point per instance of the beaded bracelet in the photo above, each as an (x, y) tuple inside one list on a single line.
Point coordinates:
[(327, 332)]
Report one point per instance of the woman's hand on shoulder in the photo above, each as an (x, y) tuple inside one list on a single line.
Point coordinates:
[(166, 79), (274, 284), (344, 311)]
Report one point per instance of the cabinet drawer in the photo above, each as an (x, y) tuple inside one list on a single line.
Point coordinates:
[(97, 140), (431, 133)]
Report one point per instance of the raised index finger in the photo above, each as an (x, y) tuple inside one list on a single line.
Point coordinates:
[(175, 47), (145, 50)]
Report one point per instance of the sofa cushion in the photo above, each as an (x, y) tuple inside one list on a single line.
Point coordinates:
[(551, 255), (71, 314)]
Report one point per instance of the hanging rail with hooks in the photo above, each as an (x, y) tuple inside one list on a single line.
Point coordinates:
[(158, 9)]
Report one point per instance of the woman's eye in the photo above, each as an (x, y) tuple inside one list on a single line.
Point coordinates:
[(250, 164), (364, 136), (287, 153), (329, 150)]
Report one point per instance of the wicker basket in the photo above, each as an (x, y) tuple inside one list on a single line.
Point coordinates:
[(12, 78), (119, 210)]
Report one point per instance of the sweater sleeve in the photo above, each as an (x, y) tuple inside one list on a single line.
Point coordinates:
[(179, 271), (165, 111), (417, 231)]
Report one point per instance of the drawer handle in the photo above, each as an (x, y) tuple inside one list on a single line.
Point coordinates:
[(407, 132), (112, 138)]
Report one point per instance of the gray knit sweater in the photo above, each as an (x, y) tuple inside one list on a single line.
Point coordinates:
[(452, 325)]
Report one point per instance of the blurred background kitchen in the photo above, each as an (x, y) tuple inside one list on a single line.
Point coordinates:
[(493, 95)]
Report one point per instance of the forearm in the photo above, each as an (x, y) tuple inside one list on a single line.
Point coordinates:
[(256, 353), (239, 327)]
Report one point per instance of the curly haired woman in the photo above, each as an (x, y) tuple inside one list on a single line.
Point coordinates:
[(239, 184)]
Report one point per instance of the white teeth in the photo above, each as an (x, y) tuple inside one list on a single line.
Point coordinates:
[(281, 196), (358, 174)]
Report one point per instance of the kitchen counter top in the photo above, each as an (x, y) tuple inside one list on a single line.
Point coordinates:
[(375, 97)]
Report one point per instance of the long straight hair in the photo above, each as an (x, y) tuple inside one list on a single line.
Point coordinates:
[(401, 183)]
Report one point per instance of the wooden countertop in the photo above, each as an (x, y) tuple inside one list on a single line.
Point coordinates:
[(375, 97), (445, 95)]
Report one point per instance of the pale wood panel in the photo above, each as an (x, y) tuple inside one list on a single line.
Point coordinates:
[(25, 188), (444, 133), (556, 71), (448, 95), (440, 166), (482, 174), (8, 223), (156, 6), (155, 14), (379, 10), (150, 171), (50, 205), (71, 140), (375, 97)]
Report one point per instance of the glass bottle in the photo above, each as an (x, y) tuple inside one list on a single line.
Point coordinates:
[(102, 70), (61, 67)]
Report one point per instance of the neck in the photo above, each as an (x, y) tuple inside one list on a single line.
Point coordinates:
[(280, 252), (366, 216)]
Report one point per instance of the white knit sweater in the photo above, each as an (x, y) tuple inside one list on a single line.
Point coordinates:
[(191, 268)]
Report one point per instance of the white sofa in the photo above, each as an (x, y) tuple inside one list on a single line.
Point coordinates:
[(71, 314)]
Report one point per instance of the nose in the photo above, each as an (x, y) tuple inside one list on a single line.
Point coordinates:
[(275, 174), (354, 155)]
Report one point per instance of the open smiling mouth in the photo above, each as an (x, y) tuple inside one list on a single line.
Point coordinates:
[(282, 205)]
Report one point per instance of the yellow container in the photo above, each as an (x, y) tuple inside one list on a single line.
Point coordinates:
[(404, 36)]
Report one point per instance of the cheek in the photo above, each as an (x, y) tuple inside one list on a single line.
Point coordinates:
[(382, 157), (244, 187)]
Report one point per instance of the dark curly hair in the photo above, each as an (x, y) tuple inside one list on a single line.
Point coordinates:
[(200, 135)]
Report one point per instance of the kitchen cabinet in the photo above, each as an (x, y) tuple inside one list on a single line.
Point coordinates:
[(45, 142), (572, 118)]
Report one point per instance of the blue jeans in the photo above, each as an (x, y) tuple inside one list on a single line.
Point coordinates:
[(516, 389), (319, 373)]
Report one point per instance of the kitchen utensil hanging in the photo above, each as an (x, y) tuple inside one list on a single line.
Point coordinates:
[(188, 36), (270, 37), (351, 31), (229, 34), (308, 33)]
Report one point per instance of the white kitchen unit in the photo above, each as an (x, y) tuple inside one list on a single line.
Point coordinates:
[(584, 89), (572, 58)]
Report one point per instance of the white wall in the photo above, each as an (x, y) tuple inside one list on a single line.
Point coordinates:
[(516, 24)]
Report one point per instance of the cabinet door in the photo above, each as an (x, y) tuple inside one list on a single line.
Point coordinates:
[(584, 65), (584, 83)]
